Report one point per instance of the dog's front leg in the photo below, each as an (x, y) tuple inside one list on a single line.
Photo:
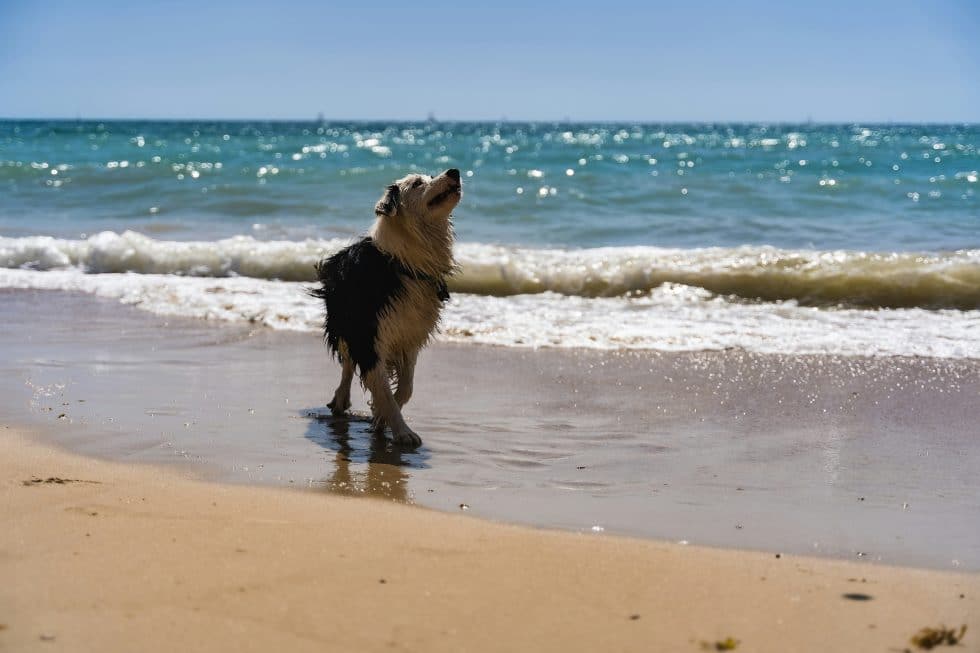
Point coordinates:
[(406, 375), (341, 397), (385, 408)]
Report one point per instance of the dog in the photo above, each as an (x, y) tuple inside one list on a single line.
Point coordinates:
[(383, 295)]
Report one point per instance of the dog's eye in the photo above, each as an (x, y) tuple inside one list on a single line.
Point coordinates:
[(418, 182)]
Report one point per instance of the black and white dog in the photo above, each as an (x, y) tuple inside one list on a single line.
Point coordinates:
[(384, 293)]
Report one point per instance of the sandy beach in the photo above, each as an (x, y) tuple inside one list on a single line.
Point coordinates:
[(212, 509), (100, 556)]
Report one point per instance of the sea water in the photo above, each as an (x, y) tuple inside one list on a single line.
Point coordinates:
[(810, 238)]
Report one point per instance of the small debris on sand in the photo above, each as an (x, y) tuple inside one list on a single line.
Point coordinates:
[(857, 596), (55, 480), (929, 638), (727, 644)]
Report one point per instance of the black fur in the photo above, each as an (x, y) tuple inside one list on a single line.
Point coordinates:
[(357, 284), (388, 203)]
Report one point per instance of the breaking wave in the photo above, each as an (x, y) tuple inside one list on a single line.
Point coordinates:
[(808, 277)]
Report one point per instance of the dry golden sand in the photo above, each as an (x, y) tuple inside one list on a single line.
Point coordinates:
[(126, 558)]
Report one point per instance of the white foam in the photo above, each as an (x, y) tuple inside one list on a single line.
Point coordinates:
[(681, 318), (814, 277), (134, 252), (672, 317)]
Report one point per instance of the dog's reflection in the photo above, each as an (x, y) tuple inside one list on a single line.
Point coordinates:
[(366, 463)]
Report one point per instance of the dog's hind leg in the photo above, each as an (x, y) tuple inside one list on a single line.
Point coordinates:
[(385, 408), (405, 370), (341, 397)]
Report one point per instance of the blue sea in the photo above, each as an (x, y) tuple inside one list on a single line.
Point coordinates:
[(843, 239)]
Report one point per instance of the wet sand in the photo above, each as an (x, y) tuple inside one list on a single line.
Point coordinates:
[(100, 556), (870, 459)]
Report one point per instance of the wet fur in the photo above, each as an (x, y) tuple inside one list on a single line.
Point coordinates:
[(383, 295)]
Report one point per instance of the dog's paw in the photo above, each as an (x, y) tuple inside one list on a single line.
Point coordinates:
[(339, 407), (407, 437)]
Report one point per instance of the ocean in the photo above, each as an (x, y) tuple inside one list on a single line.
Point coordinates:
[(799, 239)]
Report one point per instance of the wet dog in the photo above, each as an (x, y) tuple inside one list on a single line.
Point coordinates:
[(384, 293)]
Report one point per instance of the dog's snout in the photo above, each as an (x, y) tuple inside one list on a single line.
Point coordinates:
[(453, 173)]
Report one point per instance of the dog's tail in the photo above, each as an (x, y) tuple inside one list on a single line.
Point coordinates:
[(324, 275)]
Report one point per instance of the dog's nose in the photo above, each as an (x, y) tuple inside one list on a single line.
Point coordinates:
[(453, 173)]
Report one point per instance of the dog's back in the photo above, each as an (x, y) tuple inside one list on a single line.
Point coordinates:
[(358, 284)]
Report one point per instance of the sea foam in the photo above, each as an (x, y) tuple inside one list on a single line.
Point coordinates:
[(671, 317), (754, 273)]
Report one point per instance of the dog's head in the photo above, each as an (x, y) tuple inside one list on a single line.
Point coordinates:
[(421, 198), (414, 224)]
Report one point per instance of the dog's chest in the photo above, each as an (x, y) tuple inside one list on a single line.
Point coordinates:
[(411, 318)]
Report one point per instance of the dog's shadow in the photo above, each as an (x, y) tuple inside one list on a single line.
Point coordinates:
[(366, 463)]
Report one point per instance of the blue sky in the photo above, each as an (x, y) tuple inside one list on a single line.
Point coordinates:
[(697, 61)]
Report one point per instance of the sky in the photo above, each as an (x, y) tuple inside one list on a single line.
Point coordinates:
[(786, 61)]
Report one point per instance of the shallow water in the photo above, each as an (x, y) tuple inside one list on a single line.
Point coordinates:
[(865, 458)]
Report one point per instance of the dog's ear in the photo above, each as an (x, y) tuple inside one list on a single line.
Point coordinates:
[(388, 204)]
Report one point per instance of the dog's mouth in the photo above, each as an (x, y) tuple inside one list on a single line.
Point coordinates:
[(452, 192)]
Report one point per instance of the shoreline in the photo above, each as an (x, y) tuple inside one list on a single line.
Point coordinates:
[(829, 456), (119, 554)]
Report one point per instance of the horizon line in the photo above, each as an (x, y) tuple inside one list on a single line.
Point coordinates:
[(504, 120)]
